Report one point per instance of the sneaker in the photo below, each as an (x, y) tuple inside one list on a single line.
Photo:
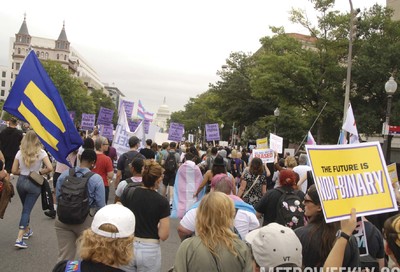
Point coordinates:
[(27, 235), (51, 214), (21, 244)]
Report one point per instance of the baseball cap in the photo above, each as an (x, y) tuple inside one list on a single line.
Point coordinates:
[(119, 216), (275, 245)]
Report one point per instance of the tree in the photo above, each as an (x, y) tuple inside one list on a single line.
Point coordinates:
[(72, 90), (100, 99)]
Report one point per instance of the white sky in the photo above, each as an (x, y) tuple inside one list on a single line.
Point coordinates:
[(156, 48)]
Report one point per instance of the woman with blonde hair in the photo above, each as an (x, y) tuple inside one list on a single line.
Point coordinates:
[(29, 159), (216, 247), (107, 244), (152, 213)]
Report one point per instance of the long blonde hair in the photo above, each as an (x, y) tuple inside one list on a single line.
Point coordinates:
[(214, 222), (30, 148), (109, 251)]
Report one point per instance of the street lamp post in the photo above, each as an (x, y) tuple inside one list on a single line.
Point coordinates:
[(390, 88), (276, 114)]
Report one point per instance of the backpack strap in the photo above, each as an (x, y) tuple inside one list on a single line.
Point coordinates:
[(251, 187), (73, 266)]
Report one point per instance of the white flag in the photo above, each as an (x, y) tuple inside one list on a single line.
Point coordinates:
[(122, 133), (350, 126)]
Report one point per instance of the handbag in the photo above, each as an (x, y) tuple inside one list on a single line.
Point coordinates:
[(36, 178)]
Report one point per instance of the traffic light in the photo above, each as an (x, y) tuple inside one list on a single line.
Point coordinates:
[(354, 21)]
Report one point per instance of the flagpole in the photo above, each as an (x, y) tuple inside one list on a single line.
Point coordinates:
[(316, 119)]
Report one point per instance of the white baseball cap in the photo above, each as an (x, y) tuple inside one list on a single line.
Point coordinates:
[(275, 245), (119, 216)]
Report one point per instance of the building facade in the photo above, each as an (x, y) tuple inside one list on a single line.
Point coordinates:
[(5, 82), (395, 5), (58, 50)]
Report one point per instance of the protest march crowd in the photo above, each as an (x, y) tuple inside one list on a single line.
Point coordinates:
[(236, 212)]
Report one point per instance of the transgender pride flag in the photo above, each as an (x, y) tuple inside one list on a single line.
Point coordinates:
[(143, 114), (310, 139)]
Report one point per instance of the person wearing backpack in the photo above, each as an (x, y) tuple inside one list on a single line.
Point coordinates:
[(71, 222), (283, 205), (171, 165), (124, 161), (134, 181)]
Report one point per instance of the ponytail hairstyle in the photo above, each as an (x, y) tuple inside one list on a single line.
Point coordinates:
[(151, 172), (391, 233)]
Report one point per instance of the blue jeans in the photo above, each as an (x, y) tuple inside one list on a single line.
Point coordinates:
[(147, 258), (28, 193)]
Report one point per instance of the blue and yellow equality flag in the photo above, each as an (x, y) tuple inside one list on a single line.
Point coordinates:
[(34, 99)]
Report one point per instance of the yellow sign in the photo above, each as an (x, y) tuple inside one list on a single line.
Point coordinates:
[(351, 176), (262, 143), (393, 172)]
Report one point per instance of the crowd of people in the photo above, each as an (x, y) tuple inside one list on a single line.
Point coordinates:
[(236, 213)]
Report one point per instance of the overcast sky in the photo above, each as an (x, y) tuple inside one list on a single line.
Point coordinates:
[(156, 48)]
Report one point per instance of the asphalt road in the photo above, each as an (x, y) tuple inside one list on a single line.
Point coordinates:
[(41, 254)]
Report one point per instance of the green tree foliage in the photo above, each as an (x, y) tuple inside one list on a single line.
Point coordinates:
[(72, 90)]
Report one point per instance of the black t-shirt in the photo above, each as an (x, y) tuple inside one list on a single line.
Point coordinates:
[(149, 207), (374, 241), (311, 248), (121, 161), (268, 203), (148, 153), (10, 139), (87, 266)]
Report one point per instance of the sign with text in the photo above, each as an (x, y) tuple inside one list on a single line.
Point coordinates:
[(361, 237), (262, 143), (276, 143), (107, 131), (105, 116), (146, 123), (351, 176), (175, 132), (266, 155), (212, 132), (393, 172), (133, 124), (128, 105), (88, 121)]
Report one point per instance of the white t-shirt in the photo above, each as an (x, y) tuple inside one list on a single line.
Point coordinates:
[(34, 167), (245, 221), (302, 171), (123, 183)]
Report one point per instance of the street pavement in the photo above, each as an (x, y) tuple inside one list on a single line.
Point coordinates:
[(41, 254)]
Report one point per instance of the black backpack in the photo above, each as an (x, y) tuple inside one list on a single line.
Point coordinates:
[(289, 209), (128, 190), (130, 155), (170, 164), (73, 201)]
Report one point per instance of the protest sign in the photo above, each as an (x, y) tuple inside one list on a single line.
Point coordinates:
[(88, 121), (212, 132), (361, 237), (351, 176), (105, 116), (276, 143), (266, 155), (262, 143), (128, 105), (175, 132), (107, 131), (393, 172)]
